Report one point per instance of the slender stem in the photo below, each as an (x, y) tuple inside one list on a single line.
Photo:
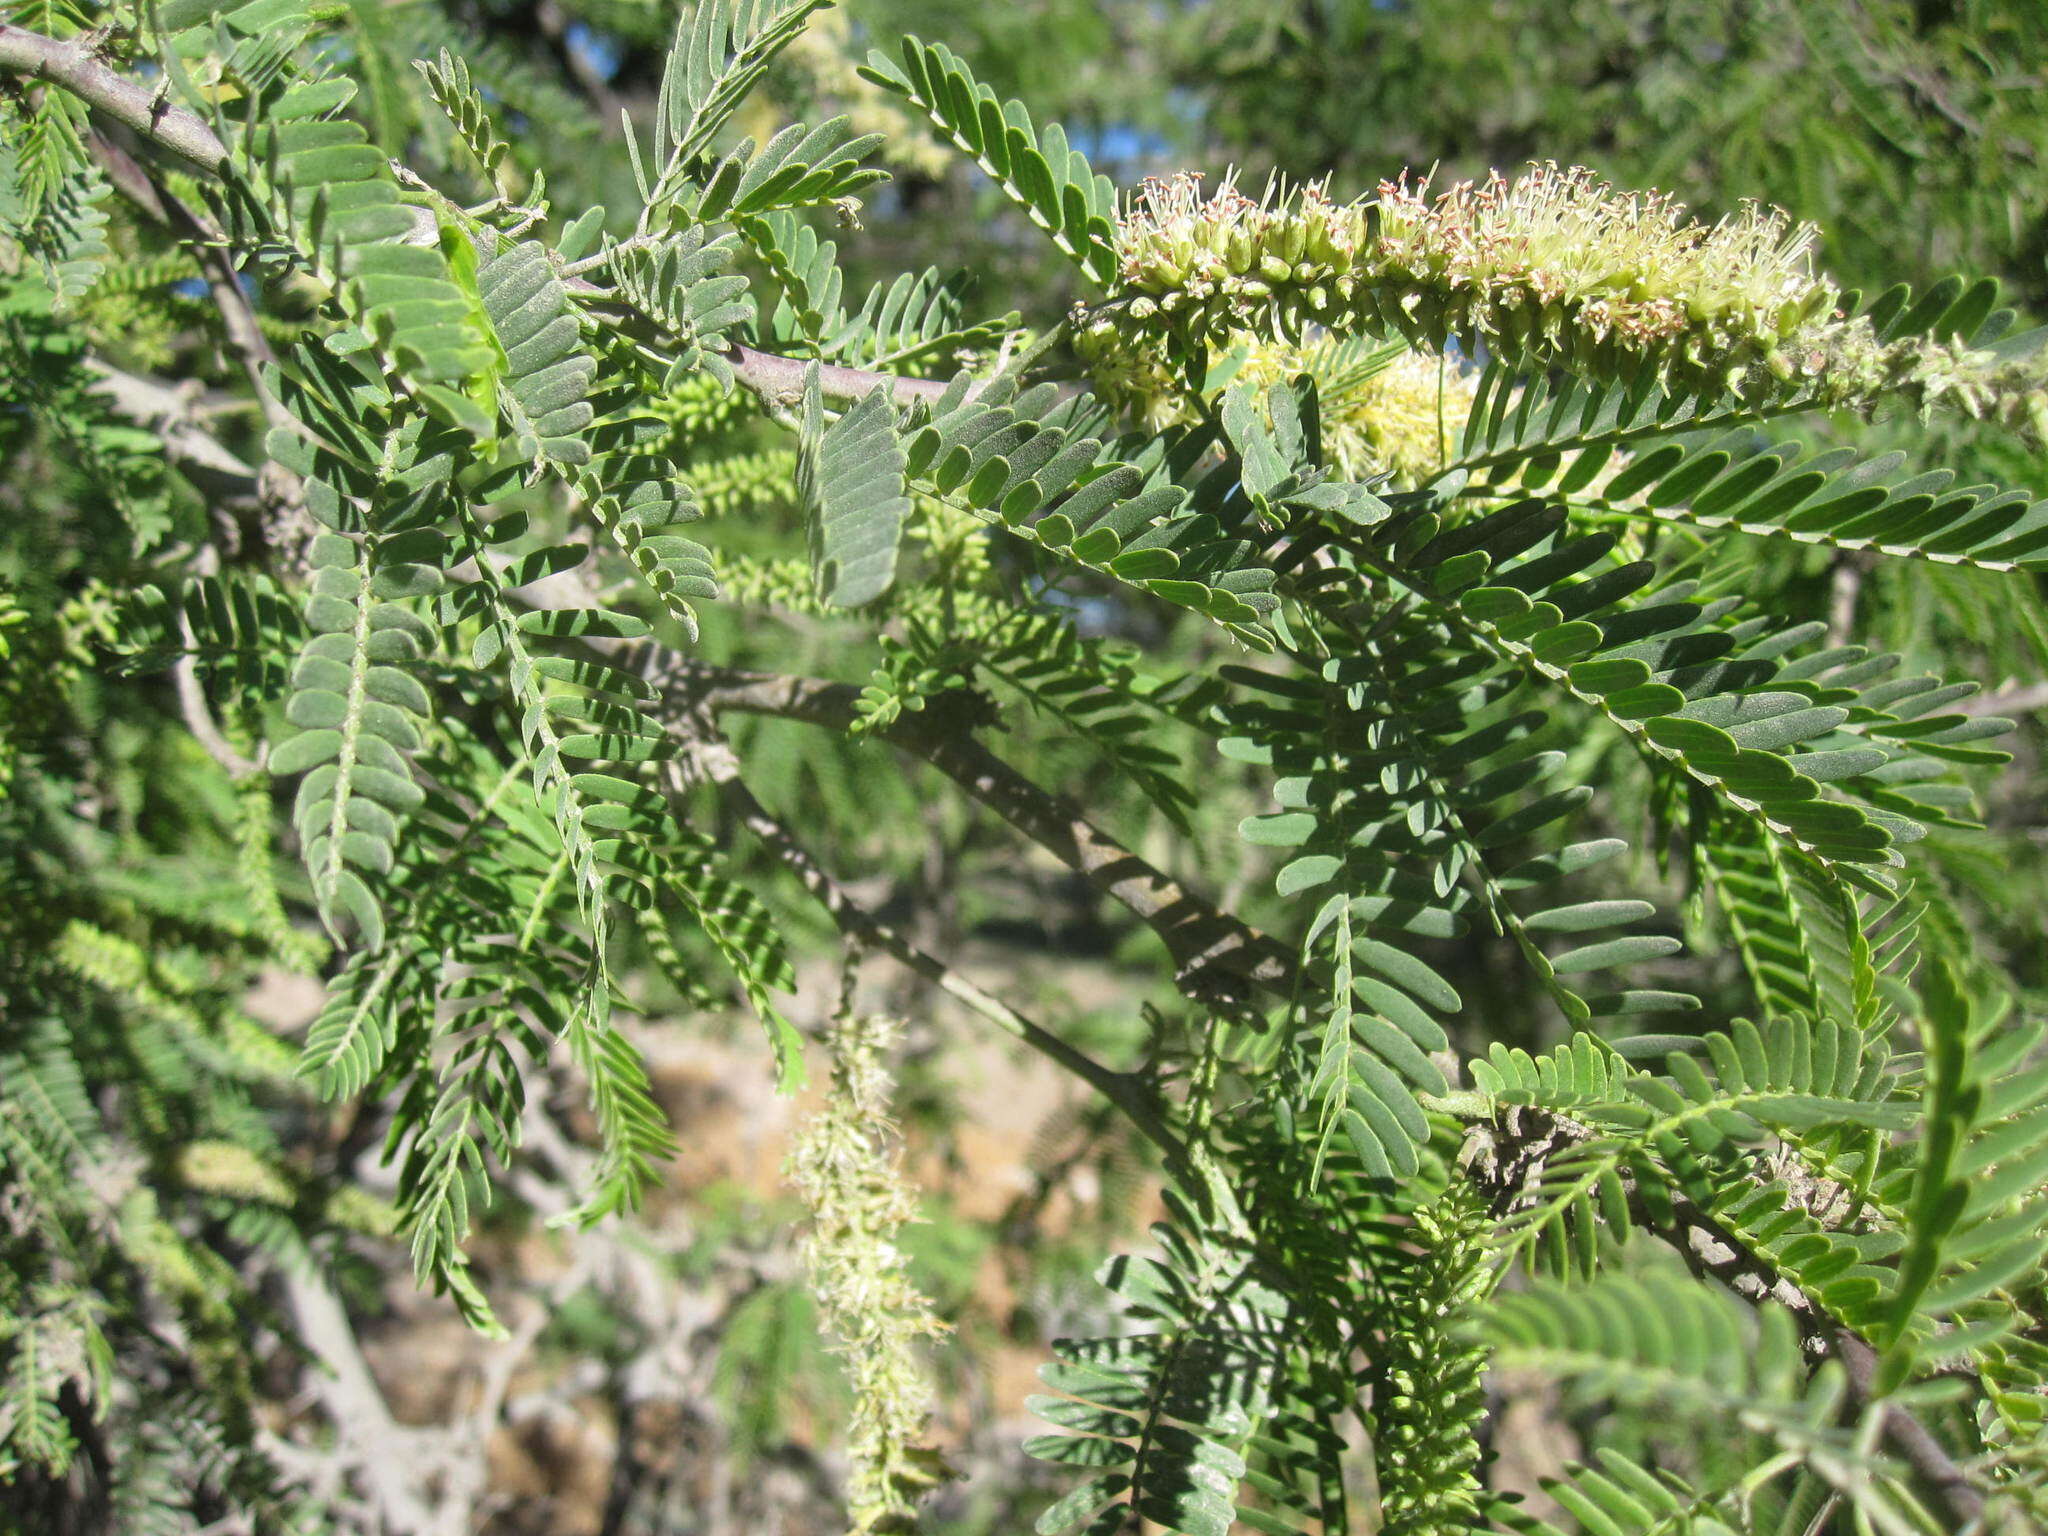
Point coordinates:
[(555, 26), (1908, 1436), (2013, 701), (1508, 1154), (198, 717), (207, 246), (603, 258), (717, 763), (779, 381), (1218, 958), (166, 410)]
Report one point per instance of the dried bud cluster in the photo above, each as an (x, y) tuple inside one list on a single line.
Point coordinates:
[(1555, 267), (844, 1166), (1854, 368)]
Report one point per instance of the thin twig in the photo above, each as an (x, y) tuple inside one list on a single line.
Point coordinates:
[(167, 410), (385, 1452), (70, 63), (779, 381), (1845, 589), (1215, 955), (2007, 701), (192, 698), (1507, 1155), (717, 763), (554, 25), (205, 240), (288, 528), (198, 718)]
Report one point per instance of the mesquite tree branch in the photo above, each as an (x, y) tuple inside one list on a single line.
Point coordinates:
[(1712, 1250), (198, 717), (1129, 1092), (1216, 956), (166, 410), (779, 381), (70, 64), (1506, 1156), (209, 248)]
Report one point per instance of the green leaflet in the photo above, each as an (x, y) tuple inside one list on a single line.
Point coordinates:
[(721, 49), (797, 168), (311, 180), (545, 375), (680, 283), (358, 711), (850, 477), (448, 81), (915, 316), (1079, 683), (1680, 1347), (1009, 456), (1720, 702), (1040, 172), (1168, 1410)]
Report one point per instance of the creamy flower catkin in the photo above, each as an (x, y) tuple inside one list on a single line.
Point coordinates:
[(1554, 268)]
